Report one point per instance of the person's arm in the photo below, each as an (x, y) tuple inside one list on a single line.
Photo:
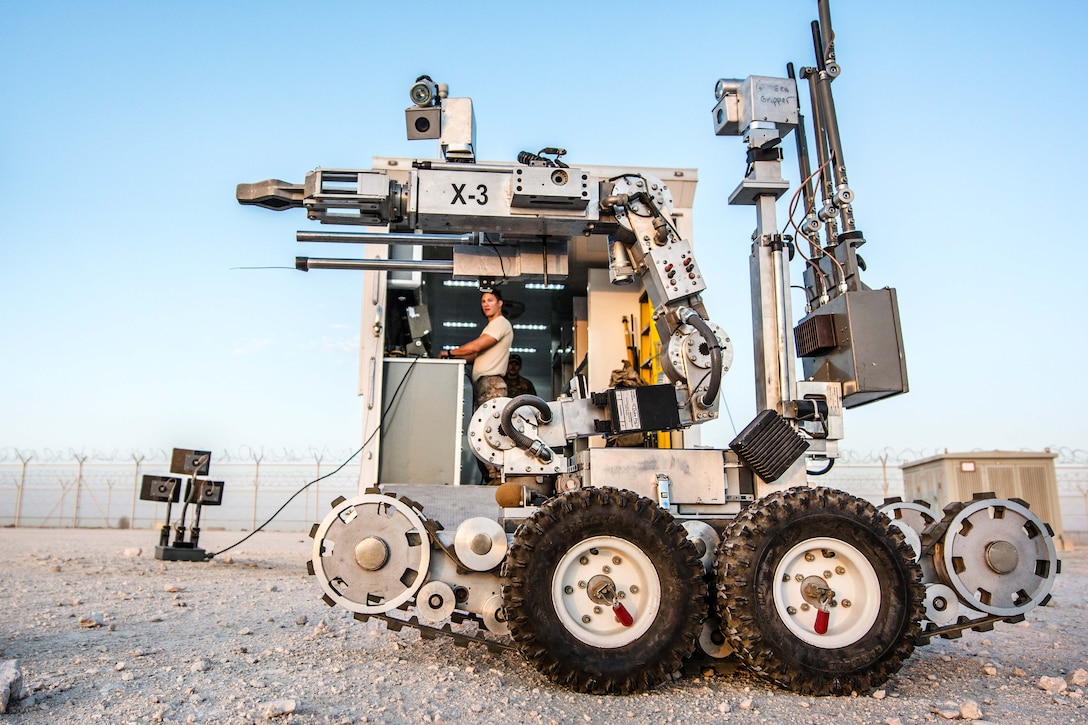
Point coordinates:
[(470, 350)]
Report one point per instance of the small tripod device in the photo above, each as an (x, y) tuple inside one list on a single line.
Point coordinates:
[(198, 492)]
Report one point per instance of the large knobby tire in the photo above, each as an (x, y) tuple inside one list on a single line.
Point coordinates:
[(573, 543), (768, 559)]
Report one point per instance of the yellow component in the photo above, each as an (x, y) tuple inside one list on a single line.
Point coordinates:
[(649, 355)]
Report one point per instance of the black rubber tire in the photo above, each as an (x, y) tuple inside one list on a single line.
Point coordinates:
[(751, 550), (530, 566)]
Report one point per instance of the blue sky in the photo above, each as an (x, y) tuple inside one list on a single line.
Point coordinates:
[(126, 126)]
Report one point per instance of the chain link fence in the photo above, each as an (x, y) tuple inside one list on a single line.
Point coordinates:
[(73, 488)]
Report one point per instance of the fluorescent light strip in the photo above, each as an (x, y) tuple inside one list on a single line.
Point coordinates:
[(530, 327), (538, 285), (460, 283), (455, 323), (523, 349)]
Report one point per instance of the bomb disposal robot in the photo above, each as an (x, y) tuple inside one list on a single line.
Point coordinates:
[(610, 566)]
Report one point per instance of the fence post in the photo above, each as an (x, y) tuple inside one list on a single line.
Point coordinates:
[(22, 482), (317, 487), (79, 482), (884, 469), (135, 489), (256, 483)]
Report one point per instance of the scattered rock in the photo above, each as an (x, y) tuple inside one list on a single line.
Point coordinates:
[(989, 669), (173, 588), (11, 683), (279, 708), (245, 631), (745, 704), (1052, 685), (91, 621), (723, 707), (301, 620), (969, 710), (133, 552), (199, 666), (1017, 672), (272, 588), (1079, 678), (880, 694), (893, 721), (949, 710)]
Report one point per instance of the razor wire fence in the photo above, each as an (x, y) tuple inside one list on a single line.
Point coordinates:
[(70, 489), (75, 488)]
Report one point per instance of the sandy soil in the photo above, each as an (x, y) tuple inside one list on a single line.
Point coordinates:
[(251, 641)]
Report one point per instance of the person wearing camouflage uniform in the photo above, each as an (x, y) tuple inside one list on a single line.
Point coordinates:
[(489, 354), (515, 384)]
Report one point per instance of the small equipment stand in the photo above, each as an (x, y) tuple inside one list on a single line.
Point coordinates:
[(198, 492)]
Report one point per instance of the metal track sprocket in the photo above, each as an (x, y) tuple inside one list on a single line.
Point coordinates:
[(910, 517), (997, 555), (371, 553)]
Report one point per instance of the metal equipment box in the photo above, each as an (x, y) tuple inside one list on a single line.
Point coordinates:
[(861, 347)]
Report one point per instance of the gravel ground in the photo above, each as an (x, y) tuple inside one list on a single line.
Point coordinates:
[(247, 639)]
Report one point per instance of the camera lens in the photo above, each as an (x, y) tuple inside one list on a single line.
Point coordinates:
[(422, 94), (422, 124)]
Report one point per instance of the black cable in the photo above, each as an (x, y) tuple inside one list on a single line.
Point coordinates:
[(502, 267), (381, 425)]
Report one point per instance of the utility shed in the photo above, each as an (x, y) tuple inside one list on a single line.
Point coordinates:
[(1025, 475)]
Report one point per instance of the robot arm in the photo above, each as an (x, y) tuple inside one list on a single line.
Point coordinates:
[(516, 220), (648, 245)]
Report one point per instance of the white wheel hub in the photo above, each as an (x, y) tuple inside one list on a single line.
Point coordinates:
[(597, 573), (826, 592)]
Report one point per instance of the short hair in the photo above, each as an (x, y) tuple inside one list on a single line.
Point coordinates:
[(496, 292)]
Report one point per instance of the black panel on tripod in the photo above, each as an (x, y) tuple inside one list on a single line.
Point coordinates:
[(208, 493), (190, 463), (166, 489)]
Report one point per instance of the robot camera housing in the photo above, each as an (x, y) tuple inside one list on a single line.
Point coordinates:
[(423, 123), (424, 92), (424, 120)]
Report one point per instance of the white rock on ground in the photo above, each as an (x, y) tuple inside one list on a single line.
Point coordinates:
[(949, 710), (1052, 684), (11, 683), (279, 708), (969, 710), (92, 620)]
